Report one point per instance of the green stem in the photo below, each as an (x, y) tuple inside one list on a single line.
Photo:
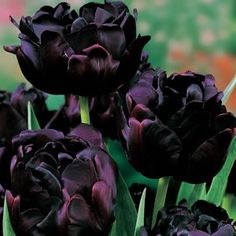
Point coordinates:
[(160, 198), (84, 110)]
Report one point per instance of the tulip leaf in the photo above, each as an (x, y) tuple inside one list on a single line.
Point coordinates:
[(32, 119), (198, 193), (6, 224), (125, 211), (160, 198), (141, 213), (229, 89), (185, 192), (218, 186), (229, 203)]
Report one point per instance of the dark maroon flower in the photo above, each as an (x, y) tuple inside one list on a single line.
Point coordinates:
[(61, 185), (181, 129), (13, 111), (88, 54), (203, 219)]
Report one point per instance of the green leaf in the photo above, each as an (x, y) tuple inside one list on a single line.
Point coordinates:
[(32, 119), (7, 227), (125, 211), (229, 204), (229, 89), (141, 213), (160, 198), (198, 193), (219, 182), (185, 191)]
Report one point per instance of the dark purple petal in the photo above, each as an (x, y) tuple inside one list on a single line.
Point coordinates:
[(13, 204), (84, 38), (78, 24), (88, 11), (105, 167), (115, 7), (89, 134), (102, 16), (113, 39), (46, 23), (194, 92), (36, 137), (226, 230), (130, 60), (61, 10), (27, 29), (142, 93), (103, 200), (93, 72), (28, 219), (223, 121), (48, 179), (129, 27), (79, 176), (211, 153)]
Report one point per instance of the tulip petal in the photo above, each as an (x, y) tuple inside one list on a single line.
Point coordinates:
[(37, 137), (61, 10), (27, 29), (79, 175), (79, 213), (208, 159), (226, 230), (102, 16), (106, 169), (88, 133), (112, 38), (130, 60), (84, 38), (194, 92), (129, 27), (88, 10), (143, 93), (78, 24), (115, 7), (28, 219), (46, 23), (103, 200), (223, 121)]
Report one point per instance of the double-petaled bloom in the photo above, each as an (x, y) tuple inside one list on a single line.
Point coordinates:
[(90, 53), (61, 185), (181, 129), (202, 219)]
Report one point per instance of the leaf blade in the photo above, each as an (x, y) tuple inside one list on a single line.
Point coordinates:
[(7, 227), (32, 120), (141, 213), (216, 194)]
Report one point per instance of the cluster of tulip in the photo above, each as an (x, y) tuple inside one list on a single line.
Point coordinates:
[(61, 179)]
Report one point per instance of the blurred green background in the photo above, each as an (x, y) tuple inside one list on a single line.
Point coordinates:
[(186, 35)]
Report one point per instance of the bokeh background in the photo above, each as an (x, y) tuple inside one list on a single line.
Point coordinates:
[(186, 35)]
